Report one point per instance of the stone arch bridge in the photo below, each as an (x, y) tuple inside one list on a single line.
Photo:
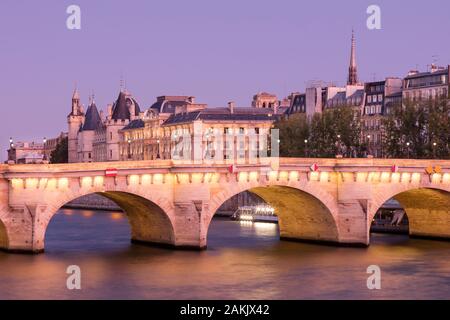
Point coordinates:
[(172, 203)]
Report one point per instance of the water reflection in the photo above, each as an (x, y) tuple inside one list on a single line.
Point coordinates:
[(243, 261)]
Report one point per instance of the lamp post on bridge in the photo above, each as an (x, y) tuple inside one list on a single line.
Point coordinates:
[(338, 147), (408, 144), (369, 146), (44, 142), (434, 149), (306, 148)]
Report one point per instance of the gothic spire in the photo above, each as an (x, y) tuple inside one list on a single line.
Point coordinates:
[(353, 71)]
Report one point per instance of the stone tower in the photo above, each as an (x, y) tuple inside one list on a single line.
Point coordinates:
[(75, 121), (352, 70)]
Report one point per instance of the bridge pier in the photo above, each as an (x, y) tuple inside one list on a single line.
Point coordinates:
[(191, 225)]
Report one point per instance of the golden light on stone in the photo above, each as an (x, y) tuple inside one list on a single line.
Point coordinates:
[(31, 183), (52, 184), (243, 176), (273, 175), (197, 177), (416, 177), (157, 178), (42, 183), (436, 178), (361, 176), (324, 176), (63, 183), (253, 176), (134, 180), (395, 177), (446, 178), (146, 180), (86, 182), (293, 175), (284, 175), (406, 176), (98, 181), (385, 177), (17, 183), (314, 176)]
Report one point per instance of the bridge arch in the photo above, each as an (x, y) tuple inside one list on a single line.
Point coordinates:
[(427, 208), (305, 212), (151, 218)]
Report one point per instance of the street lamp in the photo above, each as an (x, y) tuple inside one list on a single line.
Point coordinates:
[(407, 148), (339, 146), (434, 149), (44, 141), (369, 146), (306, 148)]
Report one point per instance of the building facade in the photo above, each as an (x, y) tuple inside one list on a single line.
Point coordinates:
[(164, 130), (26, 152), (419, 86), (379, 96)]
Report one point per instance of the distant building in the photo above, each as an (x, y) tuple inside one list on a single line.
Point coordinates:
[(379, 96), (127, 133), (217, 133), (26, 152), (419, 86)]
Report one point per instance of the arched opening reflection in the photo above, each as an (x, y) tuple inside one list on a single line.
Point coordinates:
[(80, 225)]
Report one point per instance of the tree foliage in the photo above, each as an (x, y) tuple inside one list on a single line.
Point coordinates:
[(333, 132), (418, 130), (61, 152)]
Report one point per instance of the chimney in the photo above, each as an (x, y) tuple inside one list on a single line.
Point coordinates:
[(102, 115), (231, 107), (191, 100)]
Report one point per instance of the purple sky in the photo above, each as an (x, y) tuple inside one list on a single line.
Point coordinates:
[(218, 51)]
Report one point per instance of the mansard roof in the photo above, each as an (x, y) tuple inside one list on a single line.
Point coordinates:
[(222, 114), (168, 104), (135, 124)]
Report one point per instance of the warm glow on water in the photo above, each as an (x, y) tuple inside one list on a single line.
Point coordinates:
[(243, 261)]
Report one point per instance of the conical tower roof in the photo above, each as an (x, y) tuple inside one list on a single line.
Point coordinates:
[(92, 120)]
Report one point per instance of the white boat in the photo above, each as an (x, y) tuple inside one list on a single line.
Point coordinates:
[(260, 213)]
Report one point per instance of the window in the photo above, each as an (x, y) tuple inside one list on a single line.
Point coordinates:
[(110, 154), (374, 98), (241, 130), (380, 98), (226, 130), (369, 99)]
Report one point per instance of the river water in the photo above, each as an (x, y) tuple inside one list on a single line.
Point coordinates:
[(243, 261)]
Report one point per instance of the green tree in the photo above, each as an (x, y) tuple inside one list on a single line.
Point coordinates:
[(418, 130), (324, 135), (61, 153), (293, 132)]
